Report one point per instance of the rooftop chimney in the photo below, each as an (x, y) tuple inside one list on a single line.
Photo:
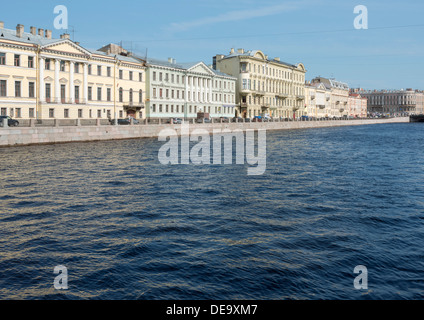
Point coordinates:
[(277, 59), (48, 34), (1, 25), (170, 60), (232, 51), (240, 51), (66, 36), (41, 32), (19, 30), (33, 31)]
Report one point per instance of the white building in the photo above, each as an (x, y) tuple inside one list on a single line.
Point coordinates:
[(185, 89)]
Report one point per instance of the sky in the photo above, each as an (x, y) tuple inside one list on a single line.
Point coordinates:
[(318, 33)]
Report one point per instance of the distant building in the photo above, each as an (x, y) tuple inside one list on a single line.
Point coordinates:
[(46, 78), (264, 86), (394, 102), (182, 90), (357, 106), (338, 104), (318, 100)]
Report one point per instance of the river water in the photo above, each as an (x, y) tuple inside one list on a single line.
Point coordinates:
[(127, 227)]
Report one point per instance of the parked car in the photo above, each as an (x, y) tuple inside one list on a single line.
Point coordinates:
[(224, 119), (10, 122), (247, 120), (206, 120), (237, 119), (124, 122), (176, 121), (257, 119)]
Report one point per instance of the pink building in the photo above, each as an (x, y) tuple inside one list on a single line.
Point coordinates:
[(357, 105)]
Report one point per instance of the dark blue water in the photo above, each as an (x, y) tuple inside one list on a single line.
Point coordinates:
[(127, 227)]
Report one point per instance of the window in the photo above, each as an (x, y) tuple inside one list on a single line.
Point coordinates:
[(47, 64), (79, 113), (154, 93), (109, 72), (30, 62), (121, 95), (121, 114), (140, 77), (17, 88), (160, 76), (77, 94), (3, 88), (31, 112), (63, 92), (99, 70), (3, 111), (89, 69), (172, 78), (66, 113), (51, 113), (154, 76), (76, 67), (99, 114), (121, 74), (131, 75), (48, 92), (62, 66), (131, 95), (31, 89), (140, 96), (18, 113), (160, 93), (109, 94), (90, 93), (17, 62), (99, 94), (2, 58)]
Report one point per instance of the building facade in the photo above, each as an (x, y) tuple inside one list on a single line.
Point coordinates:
[(339, 98), (182, 90), (265, 87), (394, 102), (357, 106), (46, 78), (318, 100)]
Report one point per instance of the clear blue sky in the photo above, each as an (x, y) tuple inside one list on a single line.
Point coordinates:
[(318, 33)]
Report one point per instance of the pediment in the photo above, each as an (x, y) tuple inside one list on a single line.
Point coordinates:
[(201, 68), (67, 46)]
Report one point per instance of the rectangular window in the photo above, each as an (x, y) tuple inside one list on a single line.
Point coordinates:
[(90, 93), (89, 69), (17, 62), (131, 75), (2, 58), (76, 67), (99, 94), (79, 113), (18, 113), (99, 70), (31, 89), (121, 74), (17, 89), (140, 77), (99, 114), (109, 72), (66, 113), (90, 113), (47, 64), (154, 76), (48, 92), (3, 111), (63, 93), (3, 90), (121, 114), (77, 94), (31, 62), (160, 76), (51, 113), (109, 94), (31, 112), (154, 93)]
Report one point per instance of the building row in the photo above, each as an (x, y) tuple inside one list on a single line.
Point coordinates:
[(46, 78)]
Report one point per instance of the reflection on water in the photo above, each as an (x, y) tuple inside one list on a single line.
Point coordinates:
[(127, 227)]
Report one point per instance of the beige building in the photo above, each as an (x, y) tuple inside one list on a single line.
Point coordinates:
[(318, 100), (394, 102), (46, 78), (338, 104), (265, 87)]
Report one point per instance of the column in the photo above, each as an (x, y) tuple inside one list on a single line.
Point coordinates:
[(71, 83), (56, 81), (85, 84), (41, 88)]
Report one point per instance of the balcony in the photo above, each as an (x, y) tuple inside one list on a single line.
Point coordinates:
[(282, 95), (321, 106), (300, 98), (260, 93), (133, 105)]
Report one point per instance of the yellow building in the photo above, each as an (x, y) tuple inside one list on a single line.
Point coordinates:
[(266, 87), (45, 78)]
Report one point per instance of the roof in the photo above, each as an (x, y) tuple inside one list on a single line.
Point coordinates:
[(252, 54), (29, 38)]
